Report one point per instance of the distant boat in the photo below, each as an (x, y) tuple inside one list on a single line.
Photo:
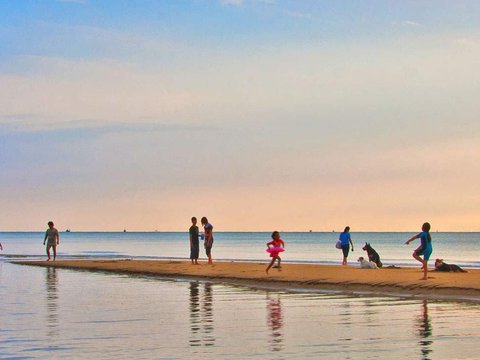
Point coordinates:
[(124, 230), (68, 230)]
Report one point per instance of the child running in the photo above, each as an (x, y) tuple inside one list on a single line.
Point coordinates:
[(424, 249), (53, 239), (275, 247)]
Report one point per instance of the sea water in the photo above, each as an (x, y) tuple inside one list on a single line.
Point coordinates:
[(457, 248), (48, 313)]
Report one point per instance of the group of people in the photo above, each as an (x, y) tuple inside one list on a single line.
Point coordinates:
[(277, 245), (195, 240), (274, 247), (425, 249)]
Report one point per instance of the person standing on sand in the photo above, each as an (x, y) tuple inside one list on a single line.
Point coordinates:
[(53, 239), (194, 243), (345, 241), (208, 238), (275, 247), (424, 249)]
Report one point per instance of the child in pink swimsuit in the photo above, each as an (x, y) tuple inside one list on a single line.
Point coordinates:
[(275, 247)]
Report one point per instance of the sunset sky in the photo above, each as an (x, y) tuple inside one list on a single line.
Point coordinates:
[(259, 114)]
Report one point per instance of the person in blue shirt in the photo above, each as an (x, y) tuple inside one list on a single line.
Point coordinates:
[(424, 249), (345, 241)]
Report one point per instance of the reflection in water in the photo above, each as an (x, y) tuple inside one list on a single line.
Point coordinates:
[(425, 331), (201, 315), (207, 313), (347, 322), (275, 322), (52, 299), (194, 314)]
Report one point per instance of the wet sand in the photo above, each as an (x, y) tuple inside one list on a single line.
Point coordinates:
[(294, 276)]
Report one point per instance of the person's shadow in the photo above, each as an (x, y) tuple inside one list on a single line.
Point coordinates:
[(425, 332), (52, 301), (275, 323)]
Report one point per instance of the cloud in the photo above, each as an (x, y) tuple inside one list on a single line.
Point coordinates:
[(410, 23), (82, 2), (99, 89), (299, 15), (243, 2), (232, 2), (467, 42), (38, 123), (361, 128)]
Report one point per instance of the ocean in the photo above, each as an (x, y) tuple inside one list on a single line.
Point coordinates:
[(457, 248), (48, 313)]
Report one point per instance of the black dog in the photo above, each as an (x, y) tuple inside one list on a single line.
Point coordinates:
[(372, 255), (442, 266)]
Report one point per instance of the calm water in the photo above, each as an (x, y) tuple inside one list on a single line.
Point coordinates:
[(58, 313), (459, 248)]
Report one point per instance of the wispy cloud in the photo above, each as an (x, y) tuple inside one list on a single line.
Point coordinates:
[(299, 15), (244, 2), (410, 23), (27, 123), (82, 2), (232, 2)]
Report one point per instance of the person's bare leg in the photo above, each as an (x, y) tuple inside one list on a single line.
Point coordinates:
[(271, 264), (48, 252), (418, 258), (425, 270), (54, 252)]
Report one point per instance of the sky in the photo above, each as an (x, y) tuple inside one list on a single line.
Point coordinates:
[(262, 115)]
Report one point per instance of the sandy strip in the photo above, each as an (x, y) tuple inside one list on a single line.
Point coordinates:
[(295, 276)]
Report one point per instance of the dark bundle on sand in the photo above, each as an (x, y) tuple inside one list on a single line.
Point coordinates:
[(442, 266)]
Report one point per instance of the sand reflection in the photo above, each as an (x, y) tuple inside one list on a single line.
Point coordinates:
[(275, 322), (201, 315)]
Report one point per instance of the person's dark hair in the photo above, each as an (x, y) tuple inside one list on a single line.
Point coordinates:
[(194, 218), (347, 229), (426, 227), (275, 233), (50, 223), (204, 220)]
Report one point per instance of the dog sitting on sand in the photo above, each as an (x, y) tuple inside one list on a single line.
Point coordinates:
[(442, 266), (364, 264), (372, 255)]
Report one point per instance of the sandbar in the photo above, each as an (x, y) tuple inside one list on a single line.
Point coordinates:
[(294, 276)]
